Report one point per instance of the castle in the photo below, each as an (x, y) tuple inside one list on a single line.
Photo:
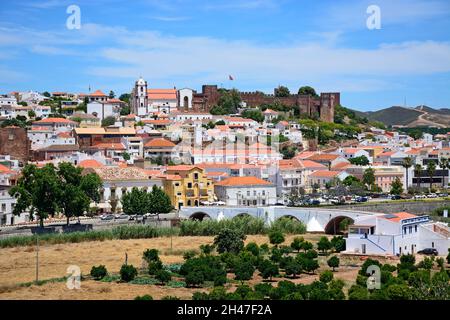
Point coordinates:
[(144, 101)]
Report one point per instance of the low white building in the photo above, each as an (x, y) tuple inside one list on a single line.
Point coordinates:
[(396, 234), (42, 111), (246, 191), (32, 97), (103, 110)]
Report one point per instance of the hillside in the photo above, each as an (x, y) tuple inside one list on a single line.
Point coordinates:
[(410, 117)]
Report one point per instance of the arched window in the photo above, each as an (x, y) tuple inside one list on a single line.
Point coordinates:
[(186, 103)]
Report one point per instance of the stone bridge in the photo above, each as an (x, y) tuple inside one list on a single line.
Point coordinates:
[(315, 219)]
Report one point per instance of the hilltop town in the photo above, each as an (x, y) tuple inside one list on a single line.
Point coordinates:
[(296, 163)]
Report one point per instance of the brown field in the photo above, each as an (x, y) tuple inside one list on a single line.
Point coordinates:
[(17, 265)]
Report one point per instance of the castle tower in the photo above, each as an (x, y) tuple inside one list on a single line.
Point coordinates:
[(139, 97)]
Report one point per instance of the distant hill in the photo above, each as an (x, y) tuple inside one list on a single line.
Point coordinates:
[(410, 117)]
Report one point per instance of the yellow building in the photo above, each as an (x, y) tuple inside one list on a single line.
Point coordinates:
[(188, 186)]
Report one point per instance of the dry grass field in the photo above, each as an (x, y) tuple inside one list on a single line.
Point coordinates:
[(17, 265)]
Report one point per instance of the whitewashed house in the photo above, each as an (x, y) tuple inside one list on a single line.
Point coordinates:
[(396, 234)]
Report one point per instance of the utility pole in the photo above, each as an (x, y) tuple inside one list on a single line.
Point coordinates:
[(37, 258)]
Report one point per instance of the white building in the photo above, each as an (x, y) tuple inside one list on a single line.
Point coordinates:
[(32, 97), (246, 191), (42, 111), (102, 110), (8, 100), (396, 234)]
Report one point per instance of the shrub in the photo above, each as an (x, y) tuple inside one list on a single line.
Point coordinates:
[(151, 255), (326, 276), (154, 267), (194, 278), (276, 237), (163, 276), (297, 243), (189, 254), (99, 272), (268, 269), (324, 244), (288, 226), (293, 268), (253, 248), (333, 262), (229, 240), (128, 272), (244, 271), (357, 292), (338, 243), (144, 297)]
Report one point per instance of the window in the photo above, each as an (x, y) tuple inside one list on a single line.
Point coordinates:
[(189, 185), (248, 193), (264, 192), (410, 229), (195, 176), (177, 184), (415, 228)]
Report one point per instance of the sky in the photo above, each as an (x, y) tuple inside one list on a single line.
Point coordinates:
[(261, 43)]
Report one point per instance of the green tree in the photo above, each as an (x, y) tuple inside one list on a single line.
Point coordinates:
[(111, 95), (307, 90), (126, 156), (99, 272), (159, 201), (397, 187), (163, 276), (296, 244), (324, 244), (333, 262), (46, 94), (349, 180), (76, 190), (306, 245), (128, 272), (254, 115), (108, 121), (357, 292), (229, 240), (326, 276), (276, 237), (125, 97), (194, 278), (31, 114), (37, 190), (293, 268), (282, 91), (369, 177), (418, 173), (359, 161), (431, 170), (136, 202), (407, 163), (244, 271), (268, 269)]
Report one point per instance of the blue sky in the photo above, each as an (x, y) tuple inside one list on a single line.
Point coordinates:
[(262, 43)]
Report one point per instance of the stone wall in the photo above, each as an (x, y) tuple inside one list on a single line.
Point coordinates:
[(415, 207), (14, 142)]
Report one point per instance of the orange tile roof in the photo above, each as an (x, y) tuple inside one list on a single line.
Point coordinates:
[(5, 169), (97, 93), (181, 167), (341, 165), (54, 120), (270, 111), (162, 94), (159, 142), (157, 122), (243, 181), (110, 146), (170, 176), (90, 163), (399, 216), (323, 157), (325, 174), (305, 154)]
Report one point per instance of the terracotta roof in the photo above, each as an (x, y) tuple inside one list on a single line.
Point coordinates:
[(386, 154), (110, 146), (157, 122), (270, 111), (5, 169), (54, 120), (118, 173), (97, 93), (396, 217), (243, 181), (162, 94), (170, 176), (182, 167), (324, 157), (114, 101), (60, 148), (324, 174), (238, 119), (351, 150), (159, 142), (341, 165), (305, 154), (90, 163), (64, 135)]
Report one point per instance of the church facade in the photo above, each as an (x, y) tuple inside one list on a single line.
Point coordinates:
[(146, 101)]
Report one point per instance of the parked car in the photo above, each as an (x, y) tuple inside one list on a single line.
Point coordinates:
[(362, 199), (395, 197), (432, 195), (429, 251), (419, 196), (122, 216), (105, 217)]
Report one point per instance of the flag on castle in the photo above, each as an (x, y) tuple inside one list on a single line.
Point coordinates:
[(230, 77)]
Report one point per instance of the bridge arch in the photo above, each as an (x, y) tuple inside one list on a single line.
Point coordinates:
[(242, 215), (199, 216), (290, 217), (334, 225)]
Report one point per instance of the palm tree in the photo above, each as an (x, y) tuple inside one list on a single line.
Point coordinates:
[(444, 164), (431, 169), (407, 163), (417, 173)]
